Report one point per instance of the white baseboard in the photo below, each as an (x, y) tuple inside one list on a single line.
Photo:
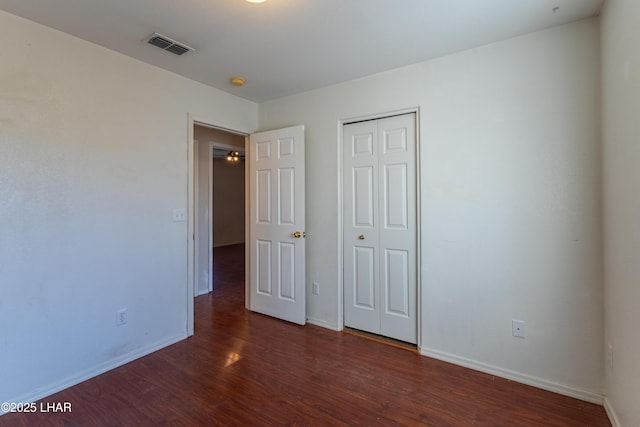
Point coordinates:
[(324, 324), (578, 393), (89, 373), (611, 413)]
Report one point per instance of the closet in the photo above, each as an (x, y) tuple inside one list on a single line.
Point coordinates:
[(380, 232)]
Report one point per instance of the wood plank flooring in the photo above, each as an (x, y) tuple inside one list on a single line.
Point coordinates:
[(245, 369)]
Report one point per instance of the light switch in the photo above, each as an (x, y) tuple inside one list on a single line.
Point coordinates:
[(179, 215)]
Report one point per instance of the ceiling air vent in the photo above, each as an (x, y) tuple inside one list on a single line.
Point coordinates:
[(168, 44)]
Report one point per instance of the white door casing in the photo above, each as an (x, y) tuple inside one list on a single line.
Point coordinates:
[(202, 217), (210, 228), (380, 232), (277, 215)]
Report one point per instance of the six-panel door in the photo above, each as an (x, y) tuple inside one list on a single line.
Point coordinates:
[(277, 215), (380, 227)]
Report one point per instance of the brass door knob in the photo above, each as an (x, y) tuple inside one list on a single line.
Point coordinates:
[(361, 237), (297, 234)]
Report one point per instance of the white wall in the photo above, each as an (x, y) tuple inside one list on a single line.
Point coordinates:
[(510, 201), (93, 159), (621, 150)]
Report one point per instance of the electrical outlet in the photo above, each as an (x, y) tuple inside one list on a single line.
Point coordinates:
[(179, 215), (121, 317), (315, 288), (517, 328)]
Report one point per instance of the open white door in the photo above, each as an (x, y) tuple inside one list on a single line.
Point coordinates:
[(277, 223)]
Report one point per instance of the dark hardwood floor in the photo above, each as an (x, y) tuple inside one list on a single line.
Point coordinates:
[(246, 369)]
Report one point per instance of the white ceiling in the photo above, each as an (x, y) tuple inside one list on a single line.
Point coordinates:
[(284, 47)]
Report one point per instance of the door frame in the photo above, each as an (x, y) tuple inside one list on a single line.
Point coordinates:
[(191, 205), (197, 146), (340, 192)]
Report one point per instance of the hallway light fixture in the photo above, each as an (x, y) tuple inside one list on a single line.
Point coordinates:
[(233, 157), (256, 1)]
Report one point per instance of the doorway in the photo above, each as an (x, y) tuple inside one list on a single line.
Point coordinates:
[(380, 227), (283, 146), (218, 204)]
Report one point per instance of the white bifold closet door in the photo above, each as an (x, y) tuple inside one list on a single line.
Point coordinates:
[(380, 227)]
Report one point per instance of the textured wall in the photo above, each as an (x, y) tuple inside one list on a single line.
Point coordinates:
[(93, 160), (621, 150)]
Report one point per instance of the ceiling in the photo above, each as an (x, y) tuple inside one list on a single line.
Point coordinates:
[(283, 47)]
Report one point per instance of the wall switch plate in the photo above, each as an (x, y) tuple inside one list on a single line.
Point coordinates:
[(179, 215), (517, 328), (610, 356), (121, 317), (315, 288)]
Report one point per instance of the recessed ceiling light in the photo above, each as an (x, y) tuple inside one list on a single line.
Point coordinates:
[(256, 1)]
